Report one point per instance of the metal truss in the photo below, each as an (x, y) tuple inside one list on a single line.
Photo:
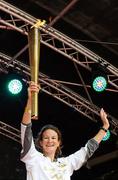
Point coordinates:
[(14, 134), (60, 92), (9, 131), (19, 20), (102, 159)]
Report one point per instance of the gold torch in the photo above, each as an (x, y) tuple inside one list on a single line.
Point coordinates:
[(34, 56)]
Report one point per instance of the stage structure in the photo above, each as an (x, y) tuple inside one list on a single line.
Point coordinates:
[(22, 21), (60, 92)]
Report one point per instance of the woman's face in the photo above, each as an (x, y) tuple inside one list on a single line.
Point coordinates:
[(49, 142)]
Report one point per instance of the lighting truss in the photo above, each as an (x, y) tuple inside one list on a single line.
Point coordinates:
[(61, 93), (21, 21), (9, 132), (102, 159), (14, 134)]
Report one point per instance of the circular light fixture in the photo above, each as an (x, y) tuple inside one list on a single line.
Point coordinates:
[(107, 136), (15, 86), (99, 84)]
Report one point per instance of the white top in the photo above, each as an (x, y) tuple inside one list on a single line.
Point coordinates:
[(40, 167)]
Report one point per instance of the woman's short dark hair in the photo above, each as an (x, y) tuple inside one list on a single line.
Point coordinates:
[(40, 137)]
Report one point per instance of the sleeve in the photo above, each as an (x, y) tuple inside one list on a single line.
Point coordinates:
[(28, 151), (77, 160)]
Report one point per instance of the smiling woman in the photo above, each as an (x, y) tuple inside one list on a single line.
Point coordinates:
[(50, 137), (47, 163), (82, 24)]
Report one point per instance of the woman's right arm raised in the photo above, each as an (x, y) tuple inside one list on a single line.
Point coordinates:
[(33, 87)]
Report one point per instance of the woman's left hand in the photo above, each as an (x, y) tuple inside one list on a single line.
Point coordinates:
[(104, 118)]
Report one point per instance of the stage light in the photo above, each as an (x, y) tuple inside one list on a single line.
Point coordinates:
[(99, 78), (99, 84), (107, 136), (15, 86)]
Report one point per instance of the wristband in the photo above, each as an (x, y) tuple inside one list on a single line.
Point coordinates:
[(103, 129)]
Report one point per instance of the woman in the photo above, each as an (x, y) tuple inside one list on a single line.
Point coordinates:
[(47, 164)]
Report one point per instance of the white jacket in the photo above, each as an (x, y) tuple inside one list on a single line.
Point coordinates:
[(40, 167)]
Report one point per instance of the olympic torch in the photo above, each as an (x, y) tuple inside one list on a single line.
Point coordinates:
[(34, 57)]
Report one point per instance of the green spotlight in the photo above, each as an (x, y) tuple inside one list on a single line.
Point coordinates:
[(107, 136), (99, 84), (15, 86), (99, 78)]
